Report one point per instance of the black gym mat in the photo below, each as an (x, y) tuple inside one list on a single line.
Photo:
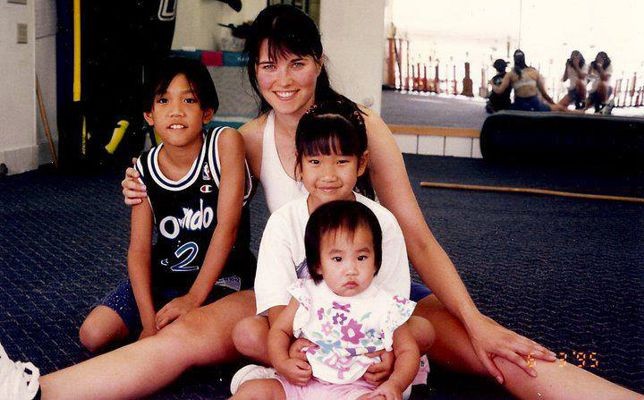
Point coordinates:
[(564, 272)]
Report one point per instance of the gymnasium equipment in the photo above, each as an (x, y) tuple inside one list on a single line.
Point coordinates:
[(569, 138)]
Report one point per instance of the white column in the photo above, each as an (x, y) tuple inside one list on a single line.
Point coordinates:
[(353, 40)]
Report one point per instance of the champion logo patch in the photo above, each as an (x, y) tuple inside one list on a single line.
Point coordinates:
[(206, 189)]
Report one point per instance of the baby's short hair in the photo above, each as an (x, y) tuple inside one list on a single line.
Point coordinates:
[(334, 216)]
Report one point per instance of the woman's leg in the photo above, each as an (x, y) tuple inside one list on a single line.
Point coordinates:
[(203, 336), (250, 337), (102, 327), (452, 348)]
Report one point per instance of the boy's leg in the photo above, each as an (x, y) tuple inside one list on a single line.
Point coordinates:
[(202, 337), (250, 336), (113, 319), (260, 389), (452, 348), (102, 326)]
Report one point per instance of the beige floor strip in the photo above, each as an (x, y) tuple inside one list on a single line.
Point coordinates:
[(531, 191)]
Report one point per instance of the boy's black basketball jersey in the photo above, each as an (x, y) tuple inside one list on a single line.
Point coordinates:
[(185, 217)]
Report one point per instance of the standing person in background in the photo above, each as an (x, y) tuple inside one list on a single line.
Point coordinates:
[(498, 101), (575, 73), (599, 74), (528, 84)]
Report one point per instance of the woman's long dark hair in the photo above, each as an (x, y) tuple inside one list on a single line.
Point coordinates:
[(288, 30), (574, 53), (519, 62), (604, 56)]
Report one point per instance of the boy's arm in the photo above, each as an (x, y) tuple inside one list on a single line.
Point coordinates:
[(139, 265), (279, 340), (405, 367), (229, 209)]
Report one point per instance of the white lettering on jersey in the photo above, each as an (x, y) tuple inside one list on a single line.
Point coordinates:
[(170, 226)]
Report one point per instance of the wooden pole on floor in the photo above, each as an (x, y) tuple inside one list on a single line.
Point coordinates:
[(45, 123), (507, 189)]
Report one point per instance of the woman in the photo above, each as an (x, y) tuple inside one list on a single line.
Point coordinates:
[(599, 75), (575, 73), (527, 83), (287, 70)]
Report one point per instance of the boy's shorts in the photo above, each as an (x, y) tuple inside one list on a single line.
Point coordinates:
[(418, 291), (122, 300)]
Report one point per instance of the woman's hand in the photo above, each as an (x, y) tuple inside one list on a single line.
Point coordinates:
[(380, 371), (490, 340), (133, 190), (176, 308)]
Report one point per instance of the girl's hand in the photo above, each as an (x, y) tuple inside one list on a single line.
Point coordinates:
[(297, 372), (388, 391), (150, 331), (490, 340), (176, 308), (297, 348), (380, 372), (133, 190)]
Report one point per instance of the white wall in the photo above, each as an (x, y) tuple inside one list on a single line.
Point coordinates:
[(18, 149), (353, 39)]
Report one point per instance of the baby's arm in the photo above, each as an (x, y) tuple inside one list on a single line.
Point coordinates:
[(229, 209), (296, 371), (405, 366), (139, 265)]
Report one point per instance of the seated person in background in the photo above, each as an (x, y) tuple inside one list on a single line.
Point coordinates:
[(599, 74), (527, 83), (575, 73), (497, 102)]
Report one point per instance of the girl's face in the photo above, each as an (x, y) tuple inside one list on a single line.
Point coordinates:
[(330, 177), (288, 83), (177, 115), (347, 261)]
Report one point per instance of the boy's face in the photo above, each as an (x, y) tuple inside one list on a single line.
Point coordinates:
[(330, 177), (347, 261), (177, 115)]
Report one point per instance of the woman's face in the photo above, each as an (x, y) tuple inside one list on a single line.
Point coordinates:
[(287, 83)]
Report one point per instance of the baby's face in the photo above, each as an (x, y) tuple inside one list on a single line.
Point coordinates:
[(347, 261)]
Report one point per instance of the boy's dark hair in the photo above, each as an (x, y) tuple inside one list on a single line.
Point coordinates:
[(288, 30), (334, 126), (334, 216), (195, 72)]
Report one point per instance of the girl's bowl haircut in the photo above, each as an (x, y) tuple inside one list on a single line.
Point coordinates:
[(334, 216)]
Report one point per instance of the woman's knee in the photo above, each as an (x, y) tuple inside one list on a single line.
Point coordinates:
[(250, 334)]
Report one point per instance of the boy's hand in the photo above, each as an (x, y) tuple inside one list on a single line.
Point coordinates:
[(151, 331), (175, 309), (380, 372), (297, 372), (388, 391), (296, 350), (133, 190)]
